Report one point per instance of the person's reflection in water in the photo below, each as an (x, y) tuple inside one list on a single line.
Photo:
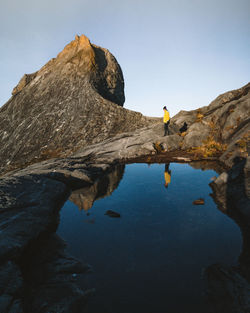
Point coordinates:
[(167, 175)]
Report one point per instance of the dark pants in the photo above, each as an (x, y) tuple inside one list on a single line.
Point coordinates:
[(166, 130)]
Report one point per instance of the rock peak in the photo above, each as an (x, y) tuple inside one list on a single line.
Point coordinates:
[(79, 48), (82, 39), (74, 100)]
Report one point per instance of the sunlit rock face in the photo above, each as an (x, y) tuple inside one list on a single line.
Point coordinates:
[(74, 100)]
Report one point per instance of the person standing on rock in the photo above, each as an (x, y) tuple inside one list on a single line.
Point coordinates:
[(166, 121)]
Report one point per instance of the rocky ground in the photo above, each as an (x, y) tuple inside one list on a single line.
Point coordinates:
[(54, 116)]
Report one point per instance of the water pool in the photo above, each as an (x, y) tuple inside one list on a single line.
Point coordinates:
[(151, 259)]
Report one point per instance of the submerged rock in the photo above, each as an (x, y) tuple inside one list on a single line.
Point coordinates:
[(199, 201), (111, 213)]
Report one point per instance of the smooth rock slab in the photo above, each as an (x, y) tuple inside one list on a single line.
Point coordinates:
[(28, 205)]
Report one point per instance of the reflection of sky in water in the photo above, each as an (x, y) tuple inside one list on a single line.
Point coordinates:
[(151, 259)]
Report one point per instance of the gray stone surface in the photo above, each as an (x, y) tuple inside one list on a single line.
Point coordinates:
[(171, 142), (196, 135), (27, 206), (185, 116)]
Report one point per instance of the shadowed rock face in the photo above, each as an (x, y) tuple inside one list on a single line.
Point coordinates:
[(74, 100), (228, 287)]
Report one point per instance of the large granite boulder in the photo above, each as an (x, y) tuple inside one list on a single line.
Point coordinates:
[(74, 100)]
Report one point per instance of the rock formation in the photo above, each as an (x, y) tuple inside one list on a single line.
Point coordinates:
[(71, 112), (74, 100), (223, 126)]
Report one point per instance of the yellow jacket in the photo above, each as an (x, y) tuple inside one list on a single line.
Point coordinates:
[(167, 177), (166, 117)]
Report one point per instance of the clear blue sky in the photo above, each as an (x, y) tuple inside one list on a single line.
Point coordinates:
[(179, 53)]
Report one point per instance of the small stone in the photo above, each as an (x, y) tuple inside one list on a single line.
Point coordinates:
[(199, 201), (111, 213)]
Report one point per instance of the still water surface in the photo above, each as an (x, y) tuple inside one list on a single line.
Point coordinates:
[(151, 259)]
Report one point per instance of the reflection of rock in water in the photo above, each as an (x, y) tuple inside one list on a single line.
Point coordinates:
[(207, 165), (103, 187), (229, 287)]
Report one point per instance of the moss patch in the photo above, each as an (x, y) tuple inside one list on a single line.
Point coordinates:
[(209, 149)]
